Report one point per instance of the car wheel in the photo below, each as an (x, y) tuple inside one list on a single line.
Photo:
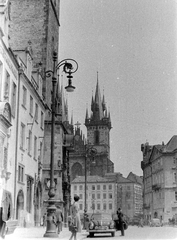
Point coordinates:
[(113, 234), (91, 234)]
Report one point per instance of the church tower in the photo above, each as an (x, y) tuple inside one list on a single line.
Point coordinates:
[(98, 126)]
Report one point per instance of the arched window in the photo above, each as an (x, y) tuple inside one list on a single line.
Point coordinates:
[(76, 170), (97, 137)]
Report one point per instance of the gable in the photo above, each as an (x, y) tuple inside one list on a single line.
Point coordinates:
[(156, 152)]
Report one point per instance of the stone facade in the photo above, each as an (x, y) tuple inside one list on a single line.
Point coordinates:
[(98, 137), (101, 194), (159, 178), (8, 116), (36, 22)]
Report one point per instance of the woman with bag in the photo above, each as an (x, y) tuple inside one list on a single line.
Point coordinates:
[(74, 221)]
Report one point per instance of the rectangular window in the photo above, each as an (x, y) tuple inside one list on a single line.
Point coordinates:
[(104, 206), (93, 187), (110, 206), (13, 100), (104, 195), (174, 177), (40, 151), (93, 196), (31, 105), (98, 195), (36, 112), (24, 92), (104, 187), (29, 142), (98, 187), (75, 187), (110, 187), (20, 173), (6, 87), (80, 195), (80, 187), (175, 196), (98, 206), (22, 136), (5, 158), (110, 195), (42, 120), (93, 206), (35, 147)]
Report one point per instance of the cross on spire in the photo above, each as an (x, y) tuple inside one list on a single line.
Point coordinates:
[(77, 124)]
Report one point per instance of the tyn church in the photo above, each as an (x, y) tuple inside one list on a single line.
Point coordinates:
[(98, 125)]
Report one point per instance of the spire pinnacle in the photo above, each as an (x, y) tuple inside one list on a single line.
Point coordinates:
[(72, 118)]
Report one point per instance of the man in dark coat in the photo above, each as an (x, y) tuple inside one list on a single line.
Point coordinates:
[(59, 219), (121, 221)]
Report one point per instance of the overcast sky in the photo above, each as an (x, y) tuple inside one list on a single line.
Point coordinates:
[(132, 45)]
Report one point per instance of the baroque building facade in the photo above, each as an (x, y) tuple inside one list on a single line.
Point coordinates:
[(35, 24), (22, 131), (159, 167), (8, 115)]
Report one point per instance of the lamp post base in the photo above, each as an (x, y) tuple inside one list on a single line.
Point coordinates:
[(51, 228), (84, 225)]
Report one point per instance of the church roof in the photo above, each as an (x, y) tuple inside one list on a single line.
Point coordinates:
[(99, 113)]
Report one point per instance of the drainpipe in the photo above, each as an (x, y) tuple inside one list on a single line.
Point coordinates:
[(16, 147)]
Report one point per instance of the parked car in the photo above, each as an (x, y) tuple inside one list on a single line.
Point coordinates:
[(101, 223), (155, 222)]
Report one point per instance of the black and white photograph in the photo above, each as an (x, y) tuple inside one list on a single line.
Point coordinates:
[(88, 119)]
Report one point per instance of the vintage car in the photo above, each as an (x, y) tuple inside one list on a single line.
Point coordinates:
[(155, 222), (101, 223)]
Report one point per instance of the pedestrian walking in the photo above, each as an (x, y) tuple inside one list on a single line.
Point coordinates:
[(120, 220), (59, 219), (74, 221), (2, 224), (141, 223)]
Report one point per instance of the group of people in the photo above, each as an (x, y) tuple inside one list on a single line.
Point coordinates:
[(74, 222)]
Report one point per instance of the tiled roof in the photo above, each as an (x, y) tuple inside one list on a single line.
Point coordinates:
[(133, 177), (172, 144), (90, 179)]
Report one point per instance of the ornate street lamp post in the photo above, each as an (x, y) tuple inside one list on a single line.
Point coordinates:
[(92, 152), (68, 69)]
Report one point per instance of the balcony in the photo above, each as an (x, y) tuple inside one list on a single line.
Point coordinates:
[(146, 206), (156, 187)]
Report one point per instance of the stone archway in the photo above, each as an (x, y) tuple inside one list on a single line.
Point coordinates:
[(20, 208), (76, 170), (37, 208)]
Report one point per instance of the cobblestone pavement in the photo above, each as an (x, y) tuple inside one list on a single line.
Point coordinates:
[(38, 233), (133, 233)]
